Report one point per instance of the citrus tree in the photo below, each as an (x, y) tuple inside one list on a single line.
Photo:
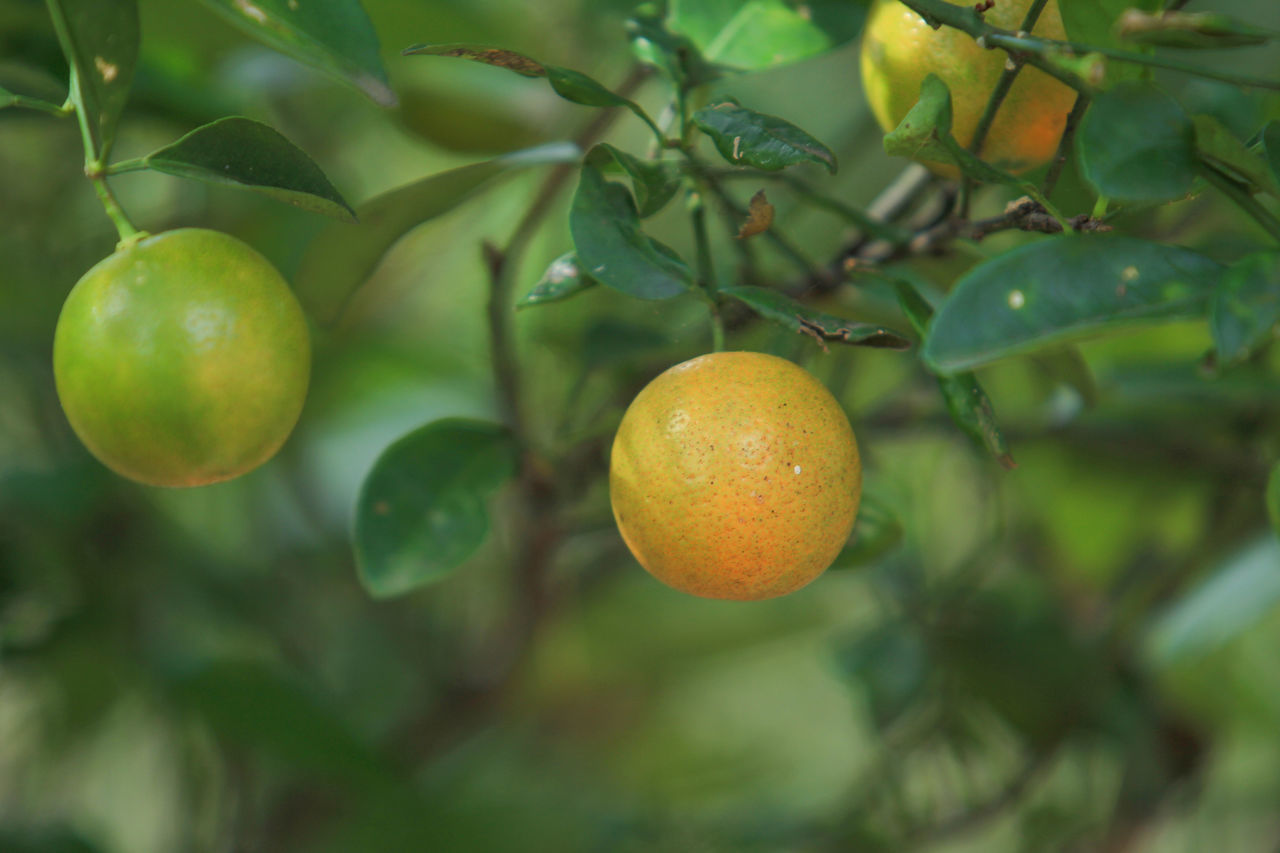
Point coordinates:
[(525, 299)]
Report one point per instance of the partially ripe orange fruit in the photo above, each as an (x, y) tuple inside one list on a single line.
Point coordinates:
[(899, 50), (735, 475), (183, 359)]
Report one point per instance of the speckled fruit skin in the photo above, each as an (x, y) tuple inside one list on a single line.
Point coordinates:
[(899, 50), (182, 360), (735, 475)]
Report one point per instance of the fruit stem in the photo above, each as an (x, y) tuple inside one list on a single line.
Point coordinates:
[(128, 233)]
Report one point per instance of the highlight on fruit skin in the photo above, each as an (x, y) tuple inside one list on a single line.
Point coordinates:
[(735, 475), (182, 359), (899, 49)]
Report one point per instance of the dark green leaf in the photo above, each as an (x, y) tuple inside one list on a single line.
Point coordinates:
[(783, 310), (562, 279), (100, 40), (569, 84), (889, 665), (613, 249), (1239, 593), (654, 181), (1137, 144), (422, 510), (334, 36), (966, 401), (1245, 308), (1064, 288), (744, 136), (245, 153), (341, 257), (44, 841), (1189, 30), (21, 85), (1220, 148), (756, 34), (876, 532)]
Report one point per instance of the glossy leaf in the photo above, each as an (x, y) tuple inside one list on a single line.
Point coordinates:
[(244, 153), (757, 34), (746, 137), (784, 311), (1064, 288), (333, 36), (100, 40), (1136, 144), (1233, 598), (654, 182), (341, 257), (562, 279), (571, 85), (422, 509), (1245, 309), (613, 249), (1220, 148), (966, 400)]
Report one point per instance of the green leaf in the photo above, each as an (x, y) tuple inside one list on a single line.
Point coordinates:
[(613, 249), (562, 279), (23, 86), (1271, 148), (1137, 144), (1273, 498), (967, 403), (1064, 288), (422, 510), (1245, 308), (333, 36), (751, 35), (44, 840), (1189, 30), (341, 257), (654, 182), (571, 85), (244, 153), (100, 41), (1220, 148), (1236, 596), (654, 44), (784, 311), (1093, 22), (255, 705), (877, 531), (744, 136)]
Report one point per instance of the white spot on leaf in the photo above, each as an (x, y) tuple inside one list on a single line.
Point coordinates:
[(1017, 299)]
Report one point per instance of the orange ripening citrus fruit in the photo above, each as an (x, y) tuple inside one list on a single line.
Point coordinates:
[(899, 50), (735, 475), (183, 359)]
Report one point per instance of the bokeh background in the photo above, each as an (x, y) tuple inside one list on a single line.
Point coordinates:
[(1081, 654)]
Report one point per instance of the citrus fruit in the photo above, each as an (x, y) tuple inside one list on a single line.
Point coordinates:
[(899, 50), (735, 475), (183, 359)]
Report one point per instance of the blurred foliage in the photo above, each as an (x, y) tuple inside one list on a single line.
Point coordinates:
[(1078, 654)]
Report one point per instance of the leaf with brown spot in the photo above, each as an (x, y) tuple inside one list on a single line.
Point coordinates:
[(802, 319), (759, 217), (496, 56)]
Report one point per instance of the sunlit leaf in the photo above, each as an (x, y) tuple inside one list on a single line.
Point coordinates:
[(334, 36), (245, 153), (1064, 288), (422, 510), (758, 34), (562, 280)]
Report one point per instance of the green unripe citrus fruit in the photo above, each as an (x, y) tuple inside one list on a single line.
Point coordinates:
[(899, 50), (735, 475), (183, 359)]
